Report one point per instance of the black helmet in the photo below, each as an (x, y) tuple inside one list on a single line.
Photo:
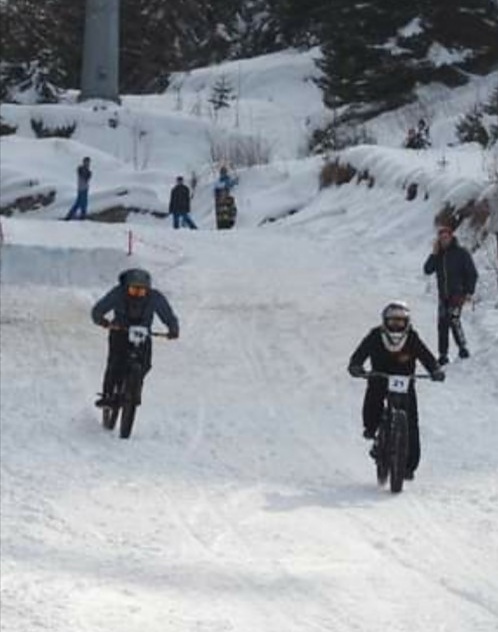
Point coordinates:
[(396, 323), (135, 277)]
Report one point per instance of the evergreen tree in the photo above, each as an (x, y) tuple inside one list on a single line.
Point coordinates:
[(222, 94), (375, 52)]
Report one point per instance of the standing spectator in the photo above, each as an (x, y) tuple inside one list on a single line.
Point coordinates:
[(412, 140), (224, 184), (81, 202), (456, 281), (423, 133), (179, 204)]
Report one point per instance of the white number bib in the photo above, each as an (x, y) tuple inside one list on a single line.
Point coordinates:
[(398, 383)]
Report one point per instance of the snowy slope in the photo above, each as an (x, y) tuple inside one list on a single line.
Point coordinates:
[(245, 500)]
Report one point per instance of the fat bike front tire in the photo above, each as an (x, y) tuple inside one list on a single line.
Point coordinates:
[(131, 400), (128, 411), (399, 450), (382, 456), (110, 413)]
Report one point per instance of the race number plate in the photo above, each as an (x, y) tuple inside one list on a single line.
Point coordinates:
[(137, 335), (399, 383)]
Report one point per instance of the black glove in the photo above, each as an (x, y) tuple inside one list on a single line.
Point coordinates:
[(172, 335), (105, 323), (356, 370), (438, 375)]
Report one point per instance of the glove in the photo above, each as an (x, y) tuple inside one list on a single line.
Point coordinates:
[(457, 301), (172, 335), (355, 370), (438, 375), (105, 323)]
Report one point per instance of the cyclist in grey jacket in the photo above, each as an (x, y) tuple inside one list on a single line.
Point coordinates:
[(133, 302)]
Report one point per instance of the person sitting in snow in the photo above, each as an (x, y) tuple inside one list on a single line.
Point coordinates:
[(393, 348)]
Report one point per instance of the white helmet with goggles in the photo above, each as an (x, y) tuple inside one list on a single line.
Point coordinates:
[(396, 324)]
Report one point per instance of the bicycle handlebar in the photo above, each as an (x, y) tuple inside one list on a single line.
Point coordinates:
[(413, 376), (156, 334)]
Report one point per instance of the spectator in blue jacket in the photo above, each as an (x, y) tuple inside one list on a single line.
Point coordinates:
[(224, 184), (81, 202)]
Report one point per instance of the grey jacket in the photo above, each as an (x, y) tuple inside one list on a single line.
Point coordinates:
[(116, 300)]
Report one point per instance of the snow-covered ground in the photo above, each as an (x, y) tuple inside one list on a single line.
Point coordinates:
[(245, 499)]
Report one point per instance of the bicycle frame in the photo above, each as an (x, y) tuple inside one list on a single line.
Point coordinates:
[(128, 388), (391, 442)]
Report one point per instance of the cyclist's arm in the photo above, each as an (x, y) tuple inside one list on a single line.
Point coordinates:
[(104, 305), (424, 355), (362, 352), (166, 314)]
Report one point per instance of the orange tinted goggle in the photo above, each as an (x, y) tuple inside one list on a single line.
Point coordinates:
[(137, 291)]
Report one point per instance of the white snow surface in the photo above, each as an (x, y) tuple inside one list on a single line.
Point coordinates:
[(245, 500)]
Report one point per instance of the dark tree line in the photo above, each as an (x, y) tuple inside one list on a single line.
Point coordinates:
[(374, 52)]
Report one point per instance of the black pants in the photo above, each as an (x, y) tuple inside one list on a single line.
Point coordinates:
[(449, 318), (373, 405), (117, 358)]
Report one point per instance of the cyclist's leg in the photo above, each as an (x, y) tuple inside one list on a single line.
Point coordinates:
[(116, 360), (373, 405)]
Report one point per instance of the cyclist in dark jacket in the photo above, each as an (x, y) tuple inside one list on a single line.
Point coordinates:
[(456, 282), (393, 348), (134, 302)]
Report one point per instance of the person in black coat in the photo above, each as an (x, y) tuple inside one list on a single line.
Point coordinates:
[(456, 282), (179, 204), (393, 348), (133, 302)]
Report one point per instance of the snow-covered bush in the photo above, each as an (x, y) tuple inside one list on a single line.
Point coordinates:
[(26, 83), (44, 131), (6, 129), (240, 151), (470, 128), (336, 136)]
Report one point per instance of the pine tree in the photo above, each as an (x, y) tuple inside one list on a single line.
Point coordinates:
[(375, 52), (221, 94)]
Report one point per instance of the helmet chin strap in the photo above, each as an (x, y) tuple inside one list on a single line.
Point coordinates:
[(394, 341)]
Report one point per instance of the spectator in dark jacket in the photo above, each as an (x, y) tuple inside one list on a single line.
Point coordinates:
[(456, 281), (393, 348), (179, 204), (133, 302), (81, 202)]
